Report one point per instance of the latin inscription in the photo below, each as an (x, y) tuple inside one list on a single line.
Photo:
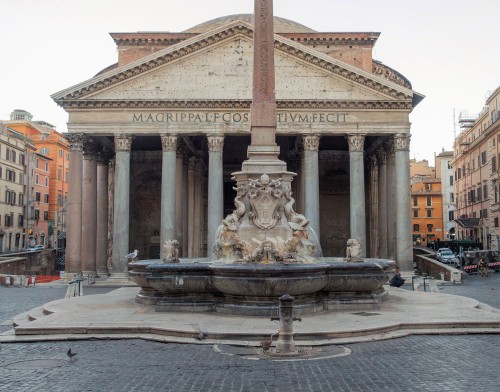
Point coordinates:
[(235, 117)]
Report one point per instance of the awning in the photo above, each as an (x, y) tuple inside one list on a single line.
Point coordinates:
[(468, 222)]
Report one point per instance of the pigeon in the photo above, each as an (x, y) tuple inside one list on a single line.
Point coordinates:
[(132, 255), (202, 335), (266, 344), (70, 354)]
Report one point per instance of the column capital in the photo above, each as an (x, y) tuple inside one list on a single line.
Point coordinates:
[(372, 161), (123, 142), (402, 142), (381, 156), (90, 149), (180, 150), (103, 156), (311, 142), (215, 142), (168, 142), (356, 142), (389, 148), (75, 141)]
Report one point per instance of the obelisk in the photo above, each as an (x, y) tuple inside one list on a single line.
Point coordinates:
[(263, 150)]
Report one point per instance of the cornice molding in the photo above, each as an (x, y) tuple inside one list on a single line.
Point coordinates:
[(201, 41), (236, 104)]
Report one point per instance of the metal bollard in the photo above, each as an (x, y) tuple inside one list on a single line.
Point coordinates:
[(285, 343)]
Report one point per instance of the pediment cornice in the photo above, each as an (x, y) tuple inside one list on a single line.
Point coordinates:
[(391, 90), (236, 104)]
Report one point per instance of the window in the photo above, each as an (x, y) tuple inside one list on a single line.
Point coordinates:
[(37, 163), (415, 213), (46, 166), (416, 227), (485, 213), (38, 196), (46, 215), (13, 198), (429, 201), (496, 193), (22, 160), (60, 153), (415, 201), (483, 157), (46, 198), (59, 173), (21, 178), (451, 180), (21, 199), (44, 151), (59, 199), (37, 215), (428, 187), (459, 173), (7, 197), (452, 197), (429, 227), (449, 164), (485, 192), (20, 221), (66, 178), (7, 220), (13, 156), (429, 213), (7, 154), (451, 215), (496, 219), (494, 163), (36, 178), (479, 194), (0, 172), (46, 181)]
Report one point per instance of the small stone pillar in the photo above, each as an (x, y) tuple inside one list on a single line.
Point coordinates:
[(285, 344)]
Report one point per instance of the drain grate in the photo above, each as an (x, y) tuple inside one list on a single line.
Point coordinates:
[(366, 314), (37, 364)]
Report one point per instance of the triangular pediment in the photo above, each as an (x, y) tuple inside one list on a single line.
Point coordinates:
[(217, 66)]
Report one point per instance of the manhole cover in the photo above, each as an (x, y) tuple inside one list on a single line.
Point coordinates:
[(303, 352), (37, 364), (366, 314)]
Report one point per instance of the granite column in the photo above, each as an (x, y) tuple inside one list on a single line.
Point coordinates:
[(311, 182), (89, 208), (404, 241), (391, 201), (123, 145), (168, 172), (74, 222), (215, 189), (382, 203), (102, 213), (357, 189)]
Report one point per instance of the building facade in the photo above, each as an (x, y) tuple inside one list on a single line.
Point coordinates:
[(54, 146), (475, 165), (444, 171), (152, 137), (12, 191), (427, 211)]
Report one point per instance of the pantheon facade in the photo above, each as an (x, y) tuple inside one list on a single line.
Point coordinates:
[(155, 137)]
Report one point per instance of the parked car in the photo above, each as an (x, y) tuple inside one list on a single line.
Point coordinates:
[(446, 256), (34, 248)]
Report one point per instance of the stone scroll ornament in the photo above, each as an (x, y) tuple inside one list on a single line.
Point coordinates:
[(265, 197)]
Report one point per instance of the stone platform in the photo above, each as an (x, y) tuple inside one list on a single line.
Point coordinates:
[(116, 316)]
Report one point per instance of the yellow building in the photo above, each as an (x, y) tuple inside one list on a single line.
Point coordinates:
[(477, 180), (427, 211)]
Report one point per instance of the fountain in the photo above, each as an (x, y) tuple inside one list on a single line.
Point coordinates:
[(264, 248)]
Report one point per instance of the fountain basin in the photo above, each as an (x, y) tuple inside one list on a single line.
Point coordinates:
[(253, 289), (355, 277), (178, 278), (268, 280)]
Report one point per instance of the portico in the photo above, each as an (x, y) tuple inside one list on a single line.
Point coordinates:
[(177, 123)]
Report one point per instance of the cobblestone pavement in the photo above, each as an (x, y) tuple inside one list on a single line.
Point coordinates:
[(415, 363)]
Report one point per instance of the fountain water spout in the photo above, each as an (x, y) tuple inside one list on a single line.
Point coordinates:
[(285, 344)]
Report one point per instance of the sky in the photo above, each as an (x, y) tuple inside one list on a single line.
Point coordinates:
[(448, 49)]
